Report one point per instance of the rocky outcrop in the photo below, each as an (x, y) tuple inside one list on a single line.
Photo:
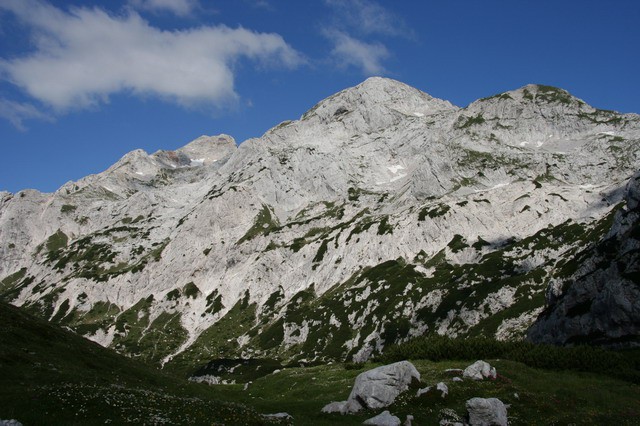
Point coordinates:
[(487, 412), (599, 302), (479, 370), (377, 388)]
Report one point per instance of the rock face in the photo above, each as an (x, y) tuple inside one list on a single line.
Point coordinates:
[(377, 388), (381, 214), (480, 370), (487, 412), (383, 419), (599, 303)]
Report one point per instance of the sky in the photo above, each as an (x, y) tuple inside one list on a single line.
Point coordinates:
[(83, 82)]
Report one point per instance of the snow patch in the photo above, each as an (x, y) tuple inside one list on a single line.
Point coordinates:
[(197, 161), (500, 185), (395, 169), (418, 114)]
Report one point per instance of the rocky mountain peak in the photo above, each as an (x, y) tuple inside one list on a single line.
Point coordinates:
[(204, 150), (376, 103)]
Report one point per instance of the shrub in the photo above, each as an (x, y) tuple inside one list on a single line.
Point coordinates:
[(621, 364)]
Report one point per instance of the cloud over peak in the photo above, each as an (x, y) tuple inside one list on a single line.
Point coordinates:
[(349, 51), (353, 25), (82, 56)]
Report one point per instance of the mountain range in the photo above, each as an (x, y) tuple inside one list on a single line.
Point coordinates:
[(380, 215)]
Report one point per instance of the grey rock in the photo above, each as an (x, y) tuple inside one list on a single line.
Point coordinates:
[(383, 419), (486, 412), (443, 388), (599, 302), (479, 370), (335, 407), (281, 416), (12, 422), (379, 387)]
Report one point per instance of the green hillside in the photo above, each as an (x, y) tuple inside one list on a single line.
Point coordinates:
[(52, 376)]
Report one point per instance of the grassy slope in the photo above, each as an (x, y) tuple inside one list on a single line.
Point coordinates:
[(544, 397), (51, 376)]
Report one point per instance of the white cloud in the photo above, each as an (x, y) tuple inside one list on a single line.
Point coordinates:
[(351, 28), (82, 56), (177, 7), (348, 51), (16, 113), (367, 18)]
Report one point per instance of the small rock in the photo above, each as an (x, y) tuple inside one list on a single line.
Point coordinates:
[(443, 388), (246, 386), (440, 386), (486, 412), (516, 396), (456, 379), (12, 422), (409, 420), (479, 370), (423, 391), (335, 407), (286, 416), (383, 419)]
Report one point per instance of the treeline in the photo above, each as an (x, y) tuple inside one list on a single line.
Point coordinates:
[(624, 364)]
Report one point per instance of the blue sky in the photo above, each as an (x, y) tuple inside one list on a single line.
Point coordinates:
[(84, 82)]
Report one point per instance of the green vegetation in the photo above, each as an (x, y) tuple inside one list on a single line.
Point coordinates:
[(68, 208), (214, 303), (554, 95), (624, 364), (263, 224), (433, 211), (500, 96), (466, 122), (95, 260), (536, 396), (10, 282), (457, 243), (218, 341), (52, 376), (190, 290), (384, 227), (56, 241)]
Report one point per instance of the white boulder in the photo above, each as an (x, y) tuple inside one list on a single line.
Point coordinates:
[(376, 388), (479, 370), (383, 419), (487, 412)]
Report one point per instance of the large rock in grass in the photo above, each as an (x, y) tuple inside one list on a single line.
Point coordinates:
[(487, 412), (377, 388), (480, 370)]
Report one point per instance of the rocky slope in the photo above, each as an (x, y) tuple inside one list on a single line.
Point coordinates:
[(599, 303), (382, 213)]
